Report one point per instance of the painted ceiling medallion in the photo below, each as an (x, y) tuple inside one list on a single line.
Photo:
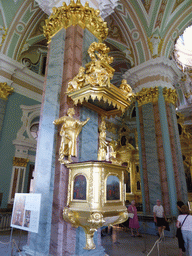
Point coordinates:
[(92, 87), (76, 14)]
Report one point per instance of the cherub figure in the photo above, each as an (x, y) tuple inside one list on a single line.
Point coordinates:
[(69, 132)]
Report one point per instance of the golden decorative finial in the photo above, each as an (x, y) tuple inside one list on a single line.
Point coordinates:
[(76, 14), (69, 132), (5, 91)]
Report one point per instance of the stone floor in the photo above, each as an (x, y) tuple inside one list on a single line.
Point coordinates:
[(120, 243)]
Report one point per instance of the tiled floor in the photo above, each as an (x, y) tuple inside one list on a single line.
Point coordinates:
[(120, 243)]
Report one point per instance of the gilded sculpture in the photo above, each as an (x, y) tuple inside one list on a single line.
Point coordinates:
[(93, 83), (69, 132), (102, 151), (78, 81), (126, 88)]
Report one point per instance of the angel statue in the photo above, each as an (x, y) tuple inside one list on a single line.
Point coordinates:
[(69, 132)]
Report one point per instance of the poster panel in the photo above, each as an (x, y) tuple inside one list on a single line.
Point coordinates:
[(26, 211)]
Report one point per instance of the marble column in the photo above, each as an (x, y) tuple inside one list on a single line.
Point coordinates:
[(161, 165), (39, 243)]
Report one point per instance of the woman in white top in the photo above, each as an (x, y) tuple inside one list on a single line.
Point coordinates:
[(186, 228)]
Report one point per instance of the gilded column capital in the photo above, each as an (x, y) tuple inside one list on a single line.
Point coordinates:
[(147, 95), (76, 14), (20, 162), (170, 95), (5, 91)]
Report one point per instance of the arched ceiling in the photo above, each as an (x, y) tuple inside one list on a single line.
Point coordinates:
[(148, 28), (138, 30)]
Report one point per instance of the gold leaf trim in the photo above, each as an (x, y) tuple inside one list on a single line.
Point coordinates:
[(75, 14), (170, 95), (21, 162), (147, 95)]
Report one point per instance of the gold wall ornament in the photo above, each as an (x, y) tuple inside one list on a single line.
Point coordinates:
[(69, 132), (170, 95), (91, 201), (5, 91), (75, 14), (147, 95), (21, 162), (3, 34), (102, 151), (92, 84)]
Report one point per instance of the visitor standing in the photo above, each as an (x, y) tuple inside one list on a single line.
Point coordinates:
[(133, 222), (178, 233), (184, 221), (159, 216)]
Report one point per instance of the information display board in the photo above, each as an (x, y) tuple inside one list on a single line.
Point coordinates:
[(26, 211)]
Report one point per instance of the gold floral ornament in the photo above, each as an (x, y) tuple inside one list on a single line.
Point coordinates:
[(5, 91), (170, 95), (147, 95), (92, 84), (3, 33), (21, 162), (76, 14), (69, 132)]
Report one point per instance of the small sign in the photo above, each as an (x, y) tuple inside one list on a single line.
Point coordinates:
[(26, 211)]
